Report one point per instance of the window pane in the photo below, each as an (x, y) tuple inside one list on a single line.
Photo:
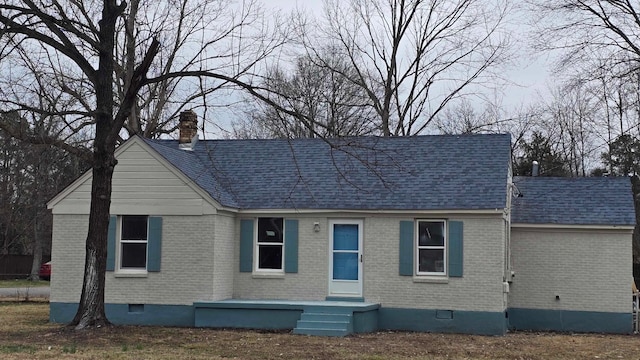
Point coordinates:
[(270, 230), (134, 255), (270, 257), (431, 260), (345, 266), (345, 237), (431, 233), (134, 227)]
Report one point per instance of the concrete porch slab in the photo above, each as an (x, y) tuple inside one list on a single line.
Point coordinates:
[(279, 314)]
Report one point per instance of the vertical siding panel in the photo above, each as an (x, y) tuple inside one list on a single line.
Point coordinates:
[(406, 248), (455, 249), (111, 244), (291, 246), (154, 244), (246, 245)]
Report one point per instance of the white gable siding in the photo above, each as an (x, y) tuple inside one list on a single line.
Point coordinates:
[(590, 270), (142, 184)]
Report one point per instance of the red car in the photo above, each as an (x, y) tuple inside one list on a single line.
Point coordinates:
[(45, 271)]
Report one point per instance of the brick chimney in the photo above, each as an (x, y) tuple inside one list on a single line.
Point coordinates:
[(188, 130)]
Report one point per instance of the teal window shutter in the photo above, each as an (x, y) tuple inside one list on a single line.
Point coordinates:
[(291, 246), (455, 248), (406, 248), (111, 244), (154, 244), (246, 245)]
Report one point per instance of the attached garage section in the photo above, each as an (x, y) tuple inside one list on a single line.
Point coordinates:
[(571, 278), (571, 254)]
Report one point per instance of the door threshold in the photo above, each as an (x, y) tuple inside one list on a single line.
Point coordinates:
[(345, 298)]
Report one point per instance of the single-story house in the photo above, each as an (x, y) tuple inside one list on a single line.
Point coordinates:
[(331, 237)]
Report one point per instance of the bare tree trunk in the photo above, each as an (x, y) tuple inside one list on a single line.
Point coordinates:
[(135, 127), (91, 308), (37, 247), (39, 172)]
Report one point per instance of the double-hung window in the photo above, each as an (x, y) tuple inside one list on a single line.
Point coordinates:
[(133, 242), (270, 244), (431, 247)]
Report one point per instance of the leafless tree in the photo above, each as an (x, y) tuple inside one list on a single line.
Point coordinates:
[(229, 37), (413, 57), (69, 47), (30, 174), (590, 29), (599, 39), (463, 118), (569, 118), (330, 104)]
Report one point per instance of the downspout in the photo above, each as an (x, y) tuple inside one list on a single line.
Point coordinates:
[(507, 274)]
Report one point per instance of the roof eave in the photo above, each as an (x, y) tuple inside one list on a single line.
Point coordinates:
[(375, 211), (574, 226)]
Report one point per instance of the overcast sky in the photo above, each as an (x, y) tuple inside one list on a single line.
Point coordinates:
[(529, 73)]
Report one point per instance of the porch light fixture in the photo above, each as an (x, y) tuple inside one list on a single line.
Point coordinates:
[(316, 227)]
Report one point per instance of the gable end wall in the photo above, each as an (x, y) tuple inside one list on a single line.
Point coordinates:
[(141, 185)]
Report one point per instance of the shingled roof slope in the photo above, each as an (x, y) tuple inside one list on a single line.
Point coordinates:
[(433, 172), (573, 201)]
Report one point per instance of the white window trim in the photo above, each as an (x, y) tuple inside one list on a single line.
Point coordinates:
[(256, 247), (129, 271), (444, 247)]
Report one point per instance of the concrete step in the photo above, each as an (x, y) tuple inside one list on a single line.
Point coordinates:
[(324, 323), (325, 317)]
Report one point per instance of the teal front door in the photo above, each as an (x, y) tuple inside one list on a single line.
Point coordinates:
[(345, 258)]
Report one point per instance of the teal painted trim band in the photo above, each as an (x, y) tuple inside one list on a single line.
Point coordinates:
[(365, 321), (282, 315), (141, 314), (247, 305), (247, 318), (565, 320), (151, 314), (287, 305), (62, 313), (467, 322)]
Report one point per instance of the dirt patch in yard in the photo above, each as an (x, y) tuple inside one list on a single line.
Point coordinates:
[(25, 333)]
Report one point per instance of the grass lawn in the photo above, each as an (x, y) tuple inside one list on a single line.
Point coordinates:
[(25, 333), (22, 283)]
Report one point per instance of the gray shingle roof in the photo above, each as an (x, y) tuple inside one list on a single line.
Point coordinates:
[(573, 201), (401, 173)]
